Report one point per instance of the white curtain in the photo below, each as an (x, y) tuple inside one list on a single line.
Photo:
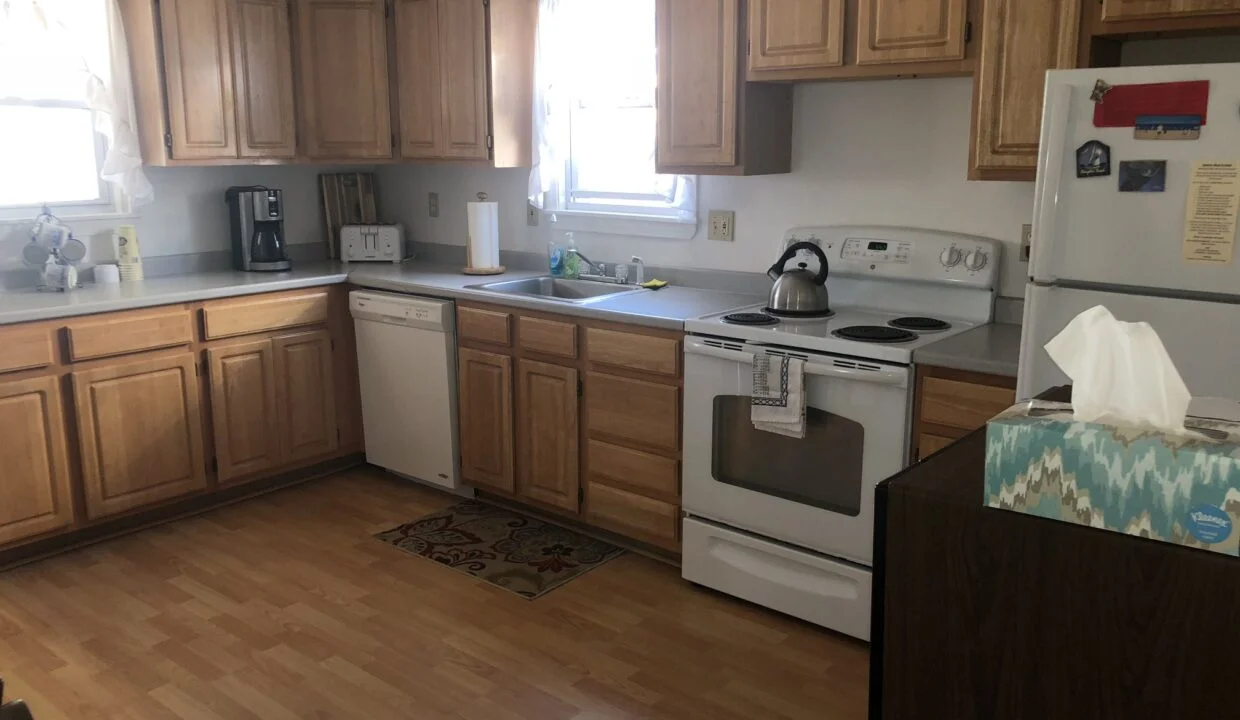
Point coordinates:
[(97, 59), (551, 64)]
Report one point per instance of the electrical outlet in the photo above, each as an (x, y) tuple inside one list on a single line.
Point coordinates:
[(432, 202), (532, 215), (721, 222), (1026, 242)]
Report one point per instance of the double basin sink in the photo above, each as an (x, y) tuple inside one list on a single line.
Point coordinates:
[(578, 292)]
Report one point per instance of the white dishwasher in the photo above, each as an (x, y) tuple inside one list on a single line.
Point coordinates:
[(406, 361)]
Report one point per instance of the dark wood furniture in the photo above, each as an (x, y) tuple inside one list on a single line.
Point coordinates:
[(982, 613)]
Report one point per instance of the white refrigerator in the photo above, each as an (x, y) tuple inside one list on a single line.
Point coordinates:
[(1094, 245)]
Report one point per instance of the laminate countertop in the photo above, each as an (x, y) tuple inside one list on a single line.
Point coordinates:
[(667, 308), (993, 348)]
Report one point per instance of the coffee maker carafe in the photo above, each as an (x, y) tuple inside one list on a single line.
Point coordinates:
[(257, 218)]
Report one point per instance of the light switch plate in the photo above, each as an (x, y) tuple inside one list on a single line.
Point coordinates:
[(532, 215), (721, 225), (1026, 242), (432, 202)]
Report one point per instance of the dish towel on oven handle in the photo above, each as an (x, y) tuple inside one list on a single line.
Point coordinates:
[(778, 401)]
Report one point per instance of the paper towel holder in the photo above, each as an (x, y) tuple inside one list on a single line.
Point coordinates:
[(470, 269)]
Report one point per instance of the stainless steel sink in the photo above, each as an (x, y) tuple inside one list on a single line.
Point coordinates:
[(558, 289)]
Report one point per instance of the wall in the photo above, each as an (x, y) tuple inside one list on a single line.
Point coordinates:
[(889, 152)]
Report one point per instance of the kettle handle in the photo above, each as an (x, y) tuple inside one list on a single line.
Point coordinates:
[(778, 268)]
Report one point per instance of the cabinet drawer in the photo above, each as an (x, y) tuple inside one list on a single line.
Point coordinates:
[(547, 337), (488, 326), (634, 351), (633, 515), (962, 405), (242, 317), (651, 475), (641, 412), (130, 332), (23, 348)]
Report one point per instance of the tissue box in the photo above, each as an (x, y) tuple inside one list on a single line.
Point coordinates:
[(1178, 488)]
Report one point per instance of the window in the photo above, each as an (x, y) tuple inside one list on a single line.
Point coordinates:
[(607, 73), (50, 149)]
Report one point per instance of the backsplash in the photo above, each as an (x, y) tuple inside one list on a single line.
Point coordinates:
[(889, 152)]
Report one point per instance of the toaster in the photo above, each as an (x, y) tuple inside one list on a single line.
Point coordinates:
[(372, 243)]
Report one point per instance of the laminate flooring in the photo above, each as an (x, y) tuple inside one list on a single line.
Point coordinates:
[(285, 607)]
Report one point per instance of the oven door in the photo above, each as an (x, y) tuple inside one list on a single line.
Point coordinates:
[(817, 492)]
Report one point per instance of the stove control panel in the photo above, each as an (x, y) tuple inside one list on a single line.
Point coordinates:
[(877, 251)]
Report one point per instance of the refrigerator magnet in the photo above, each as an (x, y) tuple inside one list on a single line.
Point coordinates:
[(1167, 127), (1143, 176), (1093, 159)]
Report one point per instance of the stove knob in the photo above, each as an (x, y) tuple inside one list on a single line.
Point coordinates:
[(976, 260), (951, 257)]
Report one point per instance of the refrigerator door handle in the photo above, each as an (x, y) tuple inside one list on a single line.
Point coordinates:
[(1050, 175)]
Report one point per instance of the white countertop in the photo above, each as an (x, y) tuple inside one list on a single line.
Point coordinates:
[(666, 308)]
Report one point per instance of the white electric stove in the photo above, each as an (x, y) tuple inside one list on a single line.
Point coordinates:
[(788, 523)]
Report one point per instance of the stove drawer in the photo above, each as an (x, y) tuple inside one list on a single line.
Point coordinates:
[(799, 583)]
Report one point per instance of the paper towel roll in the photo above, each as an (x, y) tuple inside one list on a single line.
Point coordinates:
[(483, 235)]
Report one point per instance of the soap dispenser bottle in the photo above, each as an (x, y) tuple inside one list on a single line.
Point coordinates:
[(572, 261)]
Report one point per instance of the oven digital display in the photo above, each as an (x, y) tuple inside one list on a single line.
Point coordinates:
[(879, 246)]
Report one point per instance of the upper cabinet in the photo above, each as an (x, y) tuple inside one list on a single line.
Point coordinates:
[(785, 34), (1021, 40), (710, 121), (213, 80), (1141, 9), (825, 39), (343, 63)]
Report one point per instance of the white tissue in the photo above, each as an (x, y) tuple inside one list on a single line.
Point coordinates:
[(1121, 373)]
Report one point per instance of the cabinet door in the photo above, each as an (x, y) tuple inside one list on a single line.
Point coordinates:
[(787, 34), (484, 395), (243, 408), (463, 42), (34, 469), (305, 395), (198, 71), (1132, 9), (901, 31), (342, 46), (418, 78), (548, 434), (697, 95), (140, 429), (1021, 40), (263, 58)]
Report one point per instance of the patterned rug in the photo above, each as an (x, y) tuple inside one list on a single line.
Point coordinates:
[(518, 553)]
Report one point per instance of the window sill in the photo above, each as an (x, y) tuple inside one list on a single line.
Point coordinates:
[(69, 220), (651, 226)]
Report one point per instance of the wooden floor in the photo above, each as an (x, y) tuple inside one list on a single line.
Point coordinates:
[(285, 607)]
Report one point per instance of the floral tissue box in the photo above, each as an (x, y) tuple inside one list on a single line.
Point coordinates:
[(1179, 488)]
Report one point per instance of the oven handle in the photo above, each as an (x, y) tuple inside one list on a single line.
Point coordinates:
[(884, 376)]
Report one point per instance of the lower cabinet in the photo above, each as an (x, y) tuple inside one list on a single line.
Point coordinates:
[(243, 406), (949, 404), (35, 494), (305, 394), (140, 429), (547, 433), (644, 518), (484, 399)]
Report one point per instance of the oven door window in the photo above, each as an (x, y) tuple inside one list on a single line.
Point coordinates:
[(822, 470)]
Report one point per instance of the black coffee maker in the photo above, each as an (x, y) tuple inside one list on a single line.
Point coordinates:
[(256, 215)]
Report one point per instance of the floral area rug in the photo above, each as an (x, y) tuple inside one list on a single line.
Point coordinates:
[(518, 553)]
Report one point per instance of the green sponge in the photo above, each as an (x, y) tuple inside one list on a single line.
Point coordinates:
[(654, 284)]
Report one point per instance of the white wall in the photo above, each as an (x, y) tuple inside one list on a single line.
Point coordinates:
[(883, 152)]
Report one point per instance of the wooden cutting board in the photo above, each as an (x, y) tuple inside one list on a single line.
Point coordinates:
[(348, 199)]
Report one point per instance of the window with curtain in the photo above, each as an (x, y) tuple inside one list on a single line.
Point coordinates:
[(59, 119), (595, 122)]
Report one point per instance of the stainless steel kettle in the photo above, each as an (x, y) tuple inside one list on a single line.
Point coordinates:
[(799, 292)]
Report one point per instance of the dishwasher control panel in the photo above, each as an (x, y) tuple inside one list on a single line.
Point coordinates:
[(430, 313)]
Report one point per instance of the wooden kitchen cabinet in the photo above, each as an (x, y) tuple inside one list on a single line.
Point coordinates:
[(263, 72), (244, 408), (547, 434), (949, 404), (710, 121), (910, 31), (140, 429), (1142, 9), (199, 70), (484, 396), (35, 492), (1021, 40), (343, 65), (786, 34), (305, 395)]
